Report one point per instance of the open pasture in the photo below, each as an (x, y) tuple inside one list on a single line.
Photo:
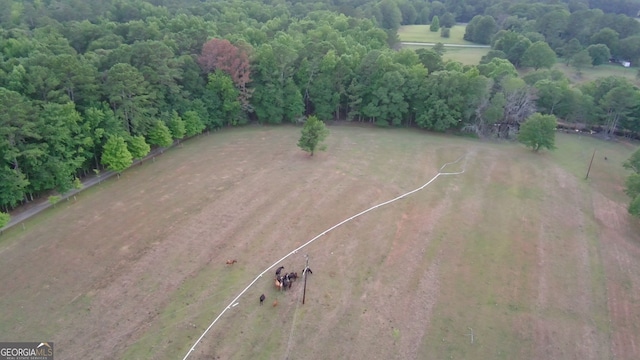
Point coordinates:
[(519, 249)]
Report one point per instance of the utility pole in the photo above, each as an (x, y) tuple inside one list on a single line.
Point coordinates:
[(306, 267), (592, 156)]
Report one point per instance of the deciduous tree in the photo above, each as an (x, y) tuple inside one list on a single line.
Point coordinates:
[(160, 134), (480, 29), (539, 55), (580, 61), (115, 155), (4, 219), (222, 102), (138, 147), (599, 53), (551, 93), (570, 49), (538, 131), (607, 36), (130, 97), (314, 132), (176, 126), (633, 183), (192, 123), (220, 54)]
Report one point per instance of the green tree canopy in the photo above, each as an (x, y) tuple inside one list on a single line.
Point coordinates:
[(4, 219), (538, 131), (633, 183), (314, 132), (177, 126), (599, 53), (539, 55), (430, 59), (497, 69), (447, 20), (581, 60), (160, 134), (115, 155), (480, 29), (633, 163), (606, 36), (138, 147), (435, 24), (193, 125), (569, 49)]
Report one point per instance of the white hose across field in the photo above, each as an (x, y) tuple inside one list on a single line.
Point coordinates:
[(233, 302)]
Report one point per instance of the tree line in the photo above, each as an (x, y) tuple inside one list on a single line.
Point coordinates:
[(91, 85)]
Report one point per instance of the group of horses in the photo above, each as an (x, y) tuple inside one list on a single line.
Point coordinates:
[(282, 282), (285, 281)]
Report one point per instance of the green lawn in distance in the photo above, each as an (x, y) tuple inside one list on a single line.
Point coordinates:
[(466, 56), (421, 33)]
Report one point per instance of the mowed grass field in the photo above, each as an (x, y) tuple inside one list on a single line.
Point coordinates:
[(421, 33), (519, 249), (466, 56)]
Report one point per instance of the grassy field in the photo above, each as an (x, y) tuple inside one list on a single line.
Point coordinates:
[(466, 56), (519, 249), (596, 72), (421, 33)]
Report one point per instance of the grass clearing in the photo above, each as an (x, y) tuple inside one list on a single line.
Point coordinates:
[(421, 33), (596, 72), (466, 56), (539, 262)]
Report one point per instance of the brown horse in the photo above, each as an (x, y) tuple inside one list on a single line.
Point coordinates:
[(278, 284), (231, 262)]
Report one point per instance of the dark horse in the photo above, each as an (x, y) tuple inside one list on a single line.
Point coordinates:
[(262, 297), (278, 270)]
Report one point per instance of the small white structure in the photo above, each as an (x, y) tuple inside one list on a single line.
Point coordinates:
[(625, 63)]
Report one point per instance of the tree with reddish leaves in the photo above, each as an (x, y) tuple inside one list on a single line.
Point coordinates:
[(220, 54)]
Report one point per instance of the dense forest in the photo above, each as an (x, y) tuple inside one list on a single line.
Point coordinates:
[(86, 85)]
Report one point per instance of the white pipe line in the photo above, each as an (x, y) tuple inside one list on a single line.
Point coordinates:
[(314, 239)]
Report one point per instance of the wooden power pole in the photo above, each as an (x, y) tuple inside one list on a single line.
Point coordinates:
[(592, 156), (305, 271)]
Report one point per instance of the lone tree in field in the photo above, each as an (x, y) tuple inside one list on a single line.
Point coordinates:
[(115, 155), (538, 131), (313, 133), (435, 24)]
